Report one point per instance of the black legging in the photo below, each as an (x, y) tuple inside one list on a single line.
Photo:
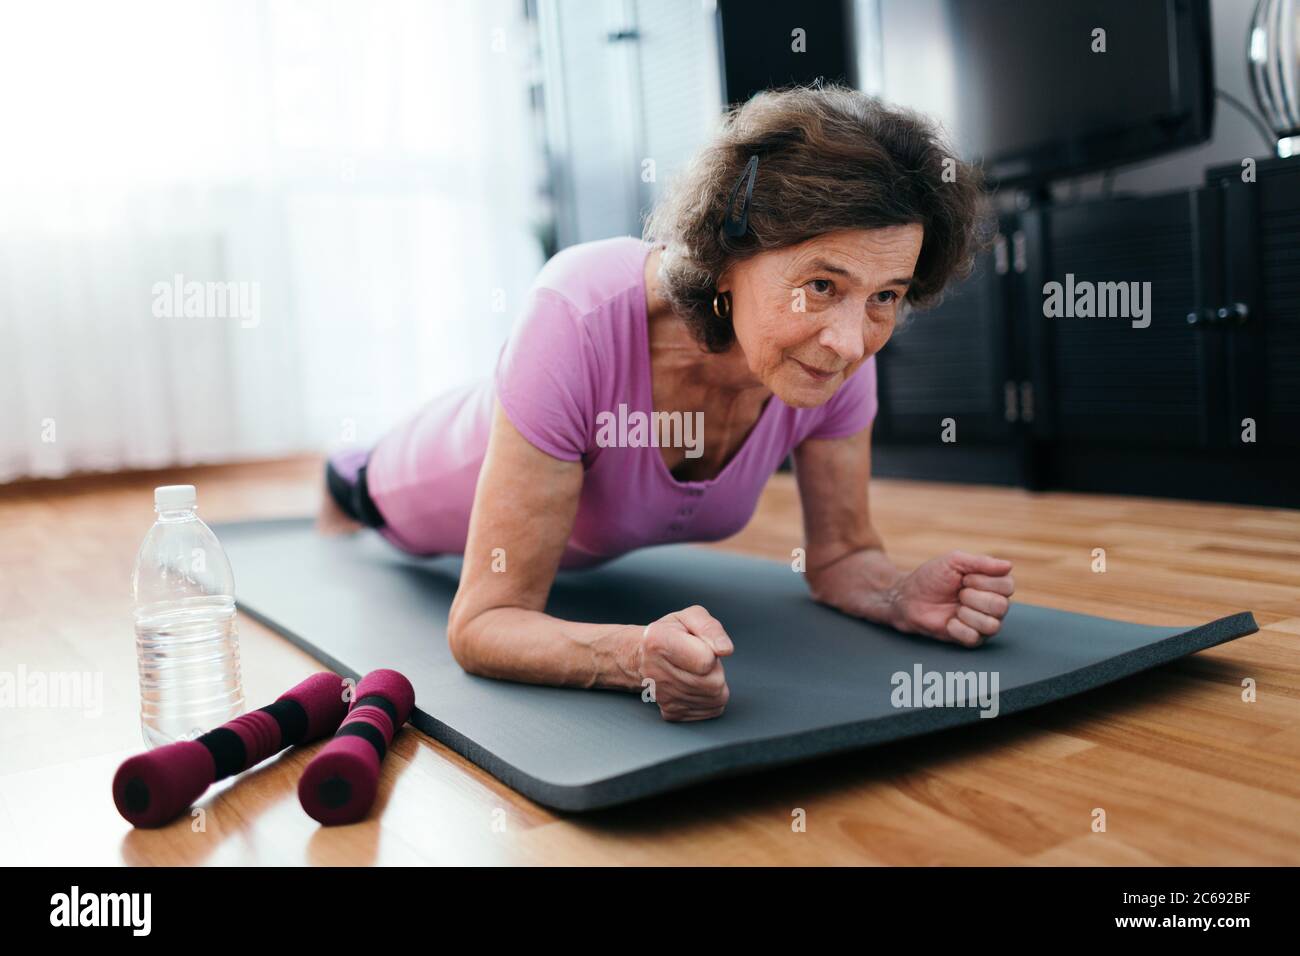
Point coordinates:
[(353, 498)]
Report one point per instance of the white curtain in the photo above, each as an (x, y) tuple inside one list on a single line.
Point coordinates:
[(346, 194)]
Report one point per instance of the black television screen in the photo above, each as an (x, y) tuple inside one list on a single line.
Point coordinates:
[(1033, 94)]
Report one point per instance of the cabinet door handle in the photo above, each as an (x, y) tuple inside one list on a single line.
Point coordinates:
[(1027, 401), (1000, 260), (1009, 401), (1018, 259), (1235, 314)]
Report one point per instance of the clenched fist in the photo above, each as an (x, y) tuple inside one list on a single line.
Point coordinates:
[(682, 654), (957, 597)]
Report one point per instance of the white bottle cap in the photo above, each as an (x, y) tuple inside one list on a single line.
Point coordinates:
[(174, 497)]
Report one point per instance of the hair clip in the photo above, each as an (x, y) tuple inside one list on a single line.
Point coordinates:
[(736, 227)]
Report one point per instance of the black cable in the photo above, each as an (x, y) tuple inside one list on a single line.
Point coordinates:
[(1269, 136)]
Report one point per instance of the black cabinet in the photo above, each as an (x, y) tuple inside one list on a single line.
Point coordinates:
[(950, 362), (1138, 372), (950, 372), (1261, 233), (1145, 345)]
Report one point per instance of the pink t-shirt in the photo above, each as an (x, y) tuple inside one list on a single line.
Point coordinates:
[(580, 349)]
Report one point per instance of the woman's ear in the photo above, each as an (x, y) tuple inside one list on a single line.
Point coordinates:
[(724, 280)]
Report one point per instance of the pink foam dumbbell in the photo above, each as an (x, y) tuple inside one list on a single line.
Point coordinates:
[(152, 788), (340, 783)]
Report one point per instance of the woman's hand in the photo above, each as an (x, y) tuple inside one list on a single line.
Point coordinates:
[(957, 597), (681, 655)]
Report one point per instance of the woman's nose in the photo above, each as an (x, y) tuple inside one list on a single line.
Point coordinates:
[(846, 337)]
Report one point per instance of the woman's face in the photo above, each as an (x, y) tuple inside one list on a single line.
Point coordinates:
[(807, 316)]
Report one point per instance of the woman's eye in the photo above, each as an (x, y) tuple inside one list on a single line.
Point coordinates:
[(892, 295), (822, 286)]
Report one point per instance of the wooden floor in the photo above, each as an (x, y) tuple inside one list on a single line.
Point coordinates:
[(1185, 770)]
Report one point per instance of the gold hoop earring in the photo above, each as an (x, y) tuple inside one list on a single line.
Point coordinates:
[(722, 305)]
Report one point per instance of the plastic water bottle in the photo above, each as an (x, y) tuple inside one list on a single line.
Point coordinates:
[(185, 634)]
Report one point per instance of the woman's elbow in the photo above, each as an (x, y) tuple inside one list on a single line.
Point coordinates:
[(461, 640)]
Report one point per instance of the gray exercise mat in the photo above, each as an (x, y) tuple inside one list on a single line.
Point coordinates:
[(805, 680)]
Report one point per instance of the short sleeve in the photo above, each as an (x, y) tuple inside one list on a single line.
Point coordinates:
[(542, 378), (852, 408)]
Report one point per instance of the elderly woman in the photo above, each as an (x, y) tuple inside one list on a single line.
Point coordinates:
[(771, 274)]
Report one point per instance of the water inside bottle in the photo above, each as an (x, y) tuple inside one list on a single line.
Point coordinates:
[(188, 651)]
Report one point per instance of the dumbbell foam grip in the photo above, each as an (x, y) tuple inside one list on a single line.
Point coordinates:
[(152, 788), (340, 783)]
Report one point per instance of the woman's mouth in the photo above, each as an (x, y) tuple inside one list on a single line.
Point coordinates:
[(816, 374)]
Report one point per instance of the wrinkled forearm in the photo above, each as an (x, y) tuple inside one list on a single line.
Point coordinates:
[(509, 643), (861, 583)]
